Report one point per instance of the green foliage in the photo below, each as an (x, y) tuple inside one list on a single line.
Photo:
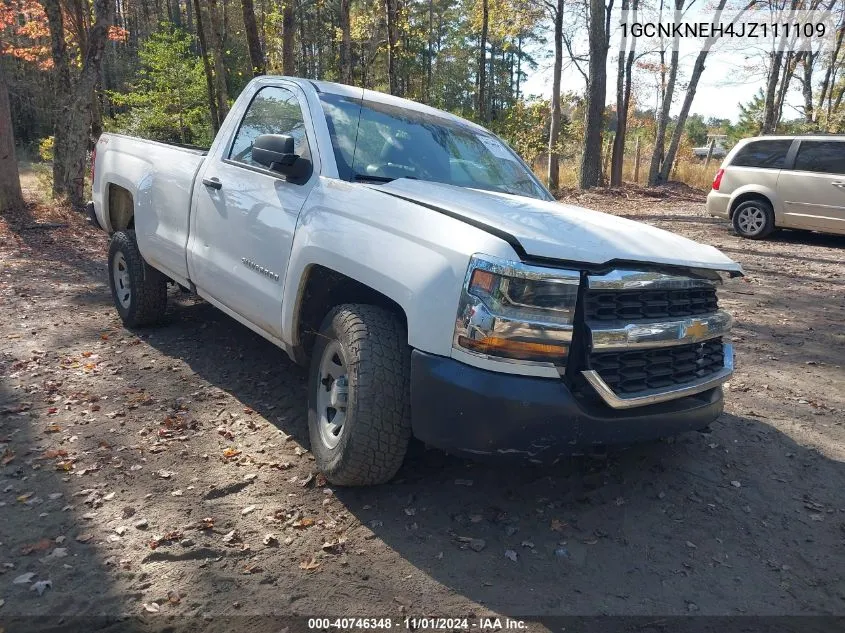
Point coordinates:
[(525, 126), (750, 118), (45, 148), (696, 130), (168, 102)]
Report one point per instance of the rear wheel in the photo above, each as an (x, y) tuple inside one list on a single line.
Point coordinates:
[(139, 291), (359, 396), (754, 219)]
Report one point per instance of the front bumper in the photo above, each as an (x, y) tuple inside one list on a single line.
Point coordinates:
[(471, 411)]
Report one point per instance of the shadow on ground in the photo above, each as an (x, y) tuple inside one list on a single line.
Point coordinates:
[(740, 520)]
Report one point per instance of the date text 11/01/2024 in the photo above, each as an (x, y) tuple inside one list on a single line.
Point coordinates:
[(418, 623)]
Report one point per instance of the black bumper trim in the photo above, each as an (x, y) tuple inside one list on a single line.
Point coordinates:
[(466, 410)]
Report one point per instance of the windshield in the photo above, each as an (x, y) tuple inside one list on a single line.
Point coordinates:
[(379, 142)]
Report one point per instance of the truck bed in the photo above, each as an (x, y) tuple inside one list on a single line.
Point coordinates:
[(159, 177)]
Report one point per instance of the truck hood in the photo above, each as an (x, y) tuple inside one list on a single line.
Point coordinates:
[(561, 231)]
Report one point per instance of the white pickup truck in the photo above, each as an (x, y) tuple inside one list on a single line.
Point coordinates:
[(437, 288)]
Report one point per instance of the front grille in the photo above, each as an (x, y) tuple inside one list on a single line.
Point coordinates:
[(635, 371), (633, 305)]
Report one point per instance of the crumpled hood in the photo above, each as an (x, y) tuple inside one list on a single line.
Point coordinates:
[(561, 231)]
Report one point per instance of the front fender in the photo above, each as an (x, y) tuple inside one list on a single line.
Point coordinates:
[(412, 255)]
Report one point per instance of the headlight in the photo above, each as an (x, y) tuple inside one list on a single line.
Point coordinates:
[(516, 312)]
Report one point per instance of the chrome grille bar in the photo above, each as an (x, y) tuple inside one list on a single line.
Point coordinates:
[(613, 336)]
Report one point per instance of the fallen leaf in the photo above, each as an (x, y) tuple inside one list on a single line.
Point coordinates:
[(247, 510), (558, 526), (24, 497), (252, 568), (8, 457), (40, 546), (165, 474), (173, 597), (24, 579), (152, 607), (309, 565), (511, 555), (53, 453), (270, 539), (303, 523)]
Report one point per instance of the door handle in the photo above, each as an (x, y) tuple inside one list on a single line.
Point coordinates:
[(214, 183)]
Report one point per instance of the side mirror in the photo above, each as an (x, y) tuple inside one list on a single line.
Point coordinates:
[(274, 151)]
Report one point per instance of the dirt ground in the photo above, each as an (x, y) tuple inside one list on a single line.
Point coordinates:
[(149, 475)]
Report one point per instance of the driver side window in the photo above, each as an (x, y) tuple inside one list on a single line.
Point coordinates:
[(272, 111)]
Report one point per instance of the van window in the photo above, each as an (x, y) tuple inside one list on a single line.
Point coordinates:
[(826, 157), (768, 154)]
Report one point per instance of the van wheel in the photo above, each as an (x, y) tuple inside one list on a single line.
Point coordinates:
[(138, 290), (359, 417), (754, 219)]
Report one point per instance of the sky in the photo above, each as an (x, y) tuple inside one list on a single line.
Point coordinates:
[(734, 73)]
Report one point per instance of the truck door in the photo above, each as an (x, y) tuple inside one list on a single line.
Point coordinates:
[(245, 215), (813, 191)]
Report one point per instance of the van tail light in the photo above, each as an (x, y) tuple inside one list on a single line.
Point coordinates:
[(717, 181)]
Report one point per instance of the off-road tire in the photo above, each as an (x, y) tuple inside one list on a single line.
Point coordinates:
[(764, 209), (148, 287), (377, 428)]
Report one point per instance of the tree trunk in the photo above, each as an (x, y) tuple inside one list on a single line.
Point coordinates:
[(481, 95), (768, 125), (623, 100), (657, 154), (826, 82), (554, 126), (209, 76), (176, 14), (288, 32), (216, 43), (807, 86), (62, 90), (10, 182), (345, 42), (390, 17), (429, 56), (74, 128), (256, 55), (590, 173), (697, 71)]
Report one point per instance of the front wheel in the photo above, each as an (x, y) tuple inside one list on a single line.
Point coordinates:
[(139, 290), (359, 396), (754, 219)]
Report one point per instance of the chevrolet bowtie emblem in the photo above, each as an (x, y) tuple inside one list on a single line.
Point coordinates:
[(696, 329)]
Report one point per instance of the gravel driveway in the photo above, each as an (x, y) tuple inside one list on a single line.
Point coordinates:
[(163, 473)]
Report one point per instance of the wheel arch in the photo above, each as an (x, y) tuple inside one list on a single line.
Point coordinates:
[(748, 195), (321, 289), (120, 208)]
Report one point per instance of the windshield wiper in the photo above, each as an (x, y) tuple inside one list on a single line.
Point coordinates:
[(368, 178)]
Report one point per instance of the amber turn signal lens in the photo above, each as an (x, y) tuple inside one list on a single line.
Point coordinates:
[(520, 350), (483, 281)]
